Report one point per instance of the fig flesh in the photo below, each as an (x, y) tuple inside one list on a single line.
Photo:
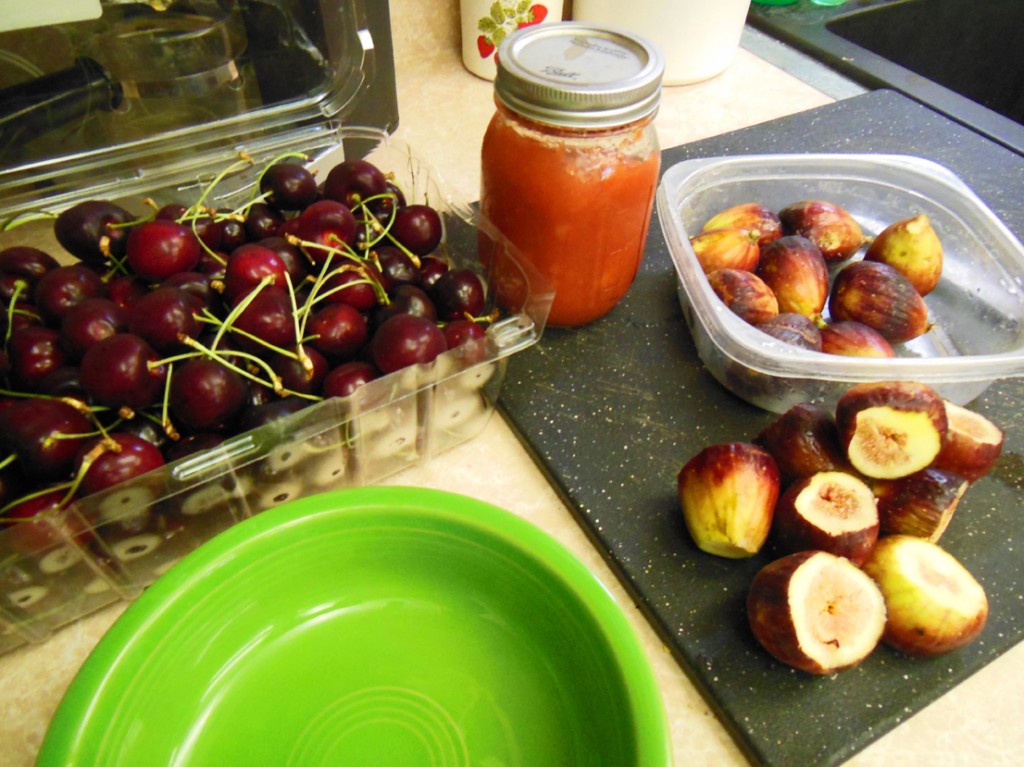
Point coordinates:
[(912, 247), (878, 296), (933, 603), (745, 294), (727, 494), (829, 226), (752, 216), (973, 443), (729, 248), (920, 504), (795, 270), (816, 612), (890, 429)]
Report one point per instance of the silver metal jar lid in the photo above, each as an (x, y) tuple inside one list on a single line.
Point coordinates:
[(572, 74)]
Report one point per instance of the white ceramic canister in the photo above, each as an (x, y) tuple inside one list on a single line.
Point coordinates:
[(485, 23), (698, 38)]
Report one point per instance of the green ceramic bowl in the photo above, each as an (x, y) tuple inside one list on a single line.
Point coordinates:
[(377, 626)]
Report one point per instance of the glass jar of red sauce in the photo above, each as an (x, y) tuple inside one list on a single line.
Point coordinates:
[(570, 160)]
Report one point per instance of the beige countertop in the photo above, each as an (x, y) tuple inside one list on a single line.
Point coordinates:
[(443, 113)]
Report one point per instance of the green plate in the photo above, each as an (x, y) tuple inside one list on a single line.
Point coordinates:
[(376, 626)]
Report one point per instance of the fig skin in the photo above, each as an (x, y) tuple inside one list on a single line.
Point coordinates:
[(878, 296), (934, 604), (829, 226), (803, 441), (752, 216), (920, 504), (815, 611), (854, 339), (972, 446), (912, 247), (794, 329), (795, 270), (745, 294), (726, 249), (829, 511), (890, 429), (727, 494)]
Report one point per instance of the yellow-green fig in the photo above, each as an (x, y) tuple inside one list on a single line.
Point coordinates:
[(728, 248), (829, 226), (912, 247)]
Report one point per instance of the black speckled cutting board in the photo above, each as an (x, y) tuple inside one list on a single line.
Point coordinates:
[(614, 409)]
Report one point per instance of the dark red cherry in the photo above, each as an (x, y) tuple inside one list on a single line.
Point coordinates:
[(337, 330), (45, 434), (268, 317), (63, 382), (464, 331), (294, 260), (296, 376), (406, 299), (34, 352), (62, 288), (122, 371), (92, 229), (353, 286), (197, 285), (405, 339), (352, 181), (164, 317), (129, 456), (89, 322), (255, 416), (347, 377), (232, 233), (459, 293), (396, 266), (205, 227), (22, 265), (418, 227), (32, 525), (289, 186), (205, 395), (247, 266), (261, 221), (329, 224), (431, 268), (159, 248), (125, 289), (21, 315)]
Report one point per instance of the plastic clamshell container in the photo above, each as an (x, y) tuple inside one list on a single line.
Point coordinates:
[(977, 308), (111, 545)]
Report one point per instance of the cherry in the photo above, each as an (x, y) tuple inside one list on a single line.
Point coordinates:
[(33, 353), (294, 261), (247, 266), (328, 223), (22, 315), (353, 287), (205, 394), (63, 382), (91, 321), (128, 457), (431, 268), (232, 233), (396, 266), (122, 371), (62, 288), (261, 221), (125, 289), (91, 229), (352, 181), (206, 228), (407, 299), (418, 227), (337, 330), (197, 285), (270, 411), (45, 434), (295, 376), (384, 208), (23, 265), (157, 249), (347, 377), (12, 484), (289, 186), (164, 317), (463, 331), (405, 339), (268, 317), (32, 529), (459, 293)]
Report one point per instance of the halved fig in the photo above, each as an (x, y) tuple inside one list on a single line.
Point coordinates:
[(795, 270), (912, 247), (854, 339), (829, 511), (920, 504), (727, 493), (752, 216), (973, 443), (745, 294), (890, 429), (816, 612), (934, 604), (878, 296), (726, 249), (829, 226), (803, 441)]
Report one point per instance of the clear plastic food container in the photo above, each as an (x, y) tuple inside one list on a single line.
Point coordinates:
[(977, 308), (110, 545)]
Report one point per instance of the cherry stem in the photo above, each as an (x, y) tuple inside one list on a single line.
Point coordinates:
[(19, 287), (27, 217), (35, 494)]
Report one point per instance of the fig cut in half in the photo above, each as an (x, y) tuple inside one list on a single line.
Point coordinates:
[(816, 612), (920, 504), (890, 429), (973, 444)]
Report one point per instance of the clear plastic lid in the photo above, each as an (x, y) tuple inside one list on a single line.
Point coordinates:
[(579, 75)]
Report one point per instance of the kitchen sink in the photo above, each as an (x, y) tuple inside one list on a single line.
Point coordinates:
[(959, 57)]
